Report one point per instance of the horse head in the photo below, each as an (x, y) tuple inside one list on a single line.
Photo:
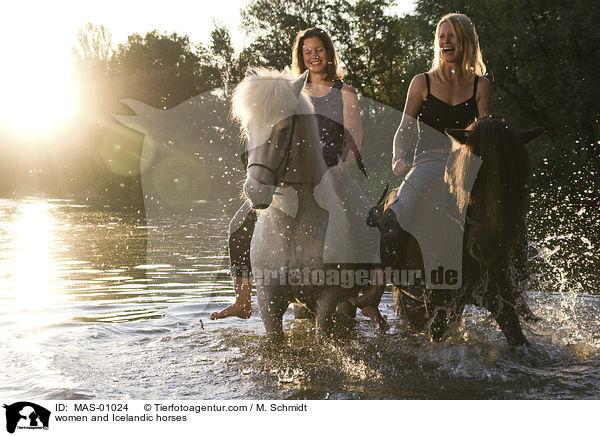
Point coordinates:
[(498, 200), (276, 116)]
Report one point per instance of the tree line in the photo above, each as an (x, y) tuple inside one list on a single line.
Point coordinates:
[(541, 59), (539, 55)]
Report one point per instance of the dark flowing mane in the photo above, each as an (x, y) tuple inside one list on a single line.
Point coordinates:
[(499, 197), (490, 157)]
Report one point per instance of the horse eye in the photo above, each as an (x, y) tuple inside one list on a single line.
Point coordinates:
[(244, 153)]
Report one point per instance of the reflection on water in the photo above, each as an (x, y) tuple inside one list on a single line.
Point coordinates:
[(97, 303), (32, 270)]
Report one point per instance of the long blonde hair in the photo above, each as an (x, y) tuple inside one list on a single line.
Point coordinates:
[(468, 41)]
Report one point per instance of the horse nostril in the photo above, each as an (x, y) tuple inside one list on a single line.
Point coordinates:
[(260, 206)]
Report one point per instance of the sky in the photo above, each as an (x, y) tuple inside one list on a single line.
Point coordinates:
[(51, 27), (36, 38)]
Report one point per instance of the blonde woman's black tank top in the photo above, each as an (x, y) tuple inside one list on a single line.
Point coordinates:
[(438, 115)]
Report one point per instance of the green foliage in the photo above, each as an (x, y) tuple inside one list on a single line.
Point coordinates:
[(161, 70), (94, 51), (380, 52), (540, 58), (220, 66), (274, 25)]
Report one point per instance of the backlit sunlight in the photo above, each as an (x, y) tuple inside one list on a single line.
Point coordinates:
[(35, 79)]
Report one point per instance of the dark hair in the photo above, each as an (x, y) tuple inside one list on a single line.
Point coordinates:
[(298, 66)]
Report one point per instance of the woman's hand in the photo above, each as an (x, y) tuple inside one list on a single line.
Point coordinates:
[(400, 166), (337, 171)]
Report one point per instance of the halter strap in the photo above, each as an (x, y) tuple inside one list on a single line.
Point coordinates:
[(284, 161)]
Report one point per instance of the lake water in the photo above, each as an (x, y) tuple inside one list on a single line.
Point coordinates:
[(97, 304)]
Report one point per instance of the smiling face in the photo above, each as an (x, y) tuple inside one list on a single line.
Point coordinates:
[(315, 55), (448, 44)]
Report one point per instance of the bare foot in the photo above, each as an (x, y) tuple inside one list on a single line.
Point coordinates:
[(236, 309), (377, 319)]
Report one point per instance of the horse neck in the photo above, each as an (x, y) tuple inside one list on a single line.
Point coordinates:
[(309, 164), (497, 198)]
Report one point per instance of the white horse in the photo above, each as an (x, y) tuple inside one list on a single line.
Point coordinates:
[(303, 226)]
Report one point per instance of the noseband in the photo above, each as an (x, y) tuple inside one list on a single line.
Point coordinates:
[(284, 161)]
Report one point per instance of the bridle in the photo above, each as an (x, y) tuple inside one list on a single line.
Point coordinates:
[(283, 163)]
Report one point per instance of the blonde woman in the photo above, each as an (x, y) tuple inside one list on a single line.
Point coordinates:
[(452, 94)]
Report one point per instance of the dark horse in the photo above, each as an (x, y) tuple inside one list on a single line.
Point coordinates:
[(493, 233)]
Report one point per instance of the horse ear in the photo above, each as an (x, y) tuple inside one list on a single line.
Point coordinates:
[(300, 82), (385, 191), (461, 135), (529, 135)]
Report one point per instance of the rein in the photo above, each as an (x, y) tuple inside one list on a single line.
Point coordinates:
[(283, 163)]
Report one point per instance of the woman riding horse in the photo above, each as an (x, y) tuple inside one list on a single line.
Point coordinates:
[(338, 116), (451, 95), (420, 218)]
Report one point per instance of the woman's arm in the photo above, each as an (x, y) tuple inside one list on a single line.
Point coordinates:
[(484, 97), (406, 135), (352, 125)]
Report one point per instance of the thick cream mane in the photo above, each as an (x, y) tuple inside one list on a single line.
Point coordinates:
[(267, 97)]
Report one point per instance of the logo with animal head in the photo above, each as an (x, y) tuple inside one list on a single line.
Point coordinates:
[(26, 415)]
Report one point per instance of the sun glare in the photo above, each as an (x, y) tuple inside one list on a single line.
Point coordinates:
[(35, 79), (37, 104), (31, 270)]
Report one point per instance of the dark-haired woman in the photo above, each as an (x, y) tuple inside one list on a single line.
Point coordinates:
[(338, 118)]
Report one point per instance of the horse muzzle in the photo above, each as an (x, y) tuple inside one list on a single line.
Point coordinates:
[(259, 194)]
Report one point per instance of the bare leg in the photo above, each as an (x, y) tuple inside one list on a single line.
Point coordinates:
[(240, 235), (242, 307), (369, 306)]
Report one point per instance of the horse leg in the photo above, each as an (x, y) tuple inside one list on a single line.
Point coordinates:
[(502, 305), (392, 243), (442, 312), (346, 308), (392, 252), (271, 309), (325, 313), (439, 324), (401, 252), (302, 311)]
